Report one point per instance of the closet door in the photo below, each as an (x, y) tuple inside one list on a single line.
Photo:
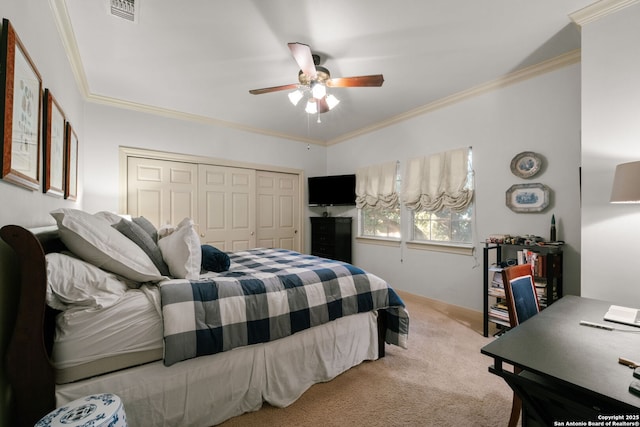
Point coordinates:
[(277, 210), (162, 191), (227, 213)]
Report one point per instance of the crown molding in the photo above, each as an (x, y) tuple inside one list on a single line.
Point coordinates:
[(179, 115), (599, 9), (552, 64), (63, 22)]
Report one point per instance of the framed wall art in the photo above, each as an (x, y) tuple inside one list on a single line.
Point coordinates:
[(527, 197), (54, 146), (21, 103), (71, 162)]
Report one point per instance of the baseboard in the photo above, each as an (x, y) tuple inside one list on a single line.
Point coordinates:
[(465, 316)]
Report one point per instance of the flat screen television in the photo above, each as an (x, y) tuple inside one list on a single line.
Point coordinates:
[(333, 190)]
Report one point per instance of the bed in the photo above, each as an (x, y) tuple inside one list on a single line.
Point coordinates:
[(169, 369)]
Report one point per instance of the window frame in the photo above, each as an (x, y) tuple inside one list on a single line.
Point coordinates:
[(361, 225), (361, 212), (407, 218), (462, 248)]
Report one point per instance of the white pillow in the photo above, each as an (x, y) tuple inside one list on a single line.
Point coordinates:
[(110, 217), (73, 282), (181, 251), (94, 240), (186, 222)]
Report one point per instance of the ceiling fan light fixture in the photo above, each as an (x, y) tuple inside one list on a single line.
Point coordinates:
[(332, 101), (295, 96), (318, 90), (312, 106), (313, 80)]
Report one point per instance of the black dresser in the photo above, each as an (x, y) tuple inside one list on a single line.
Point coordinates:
[(331, 237)]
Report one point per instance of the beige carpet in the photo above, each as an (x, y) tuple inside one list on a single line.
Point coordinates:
[(441, 380)]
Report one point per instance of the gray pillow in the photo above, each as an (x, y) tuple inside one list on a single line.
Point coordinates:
[(140, 237), (147, 226)]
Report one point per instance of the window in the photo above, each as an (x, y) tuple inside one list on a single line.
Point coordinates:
[(380, 223), (438, 197), (377, 189), (445, 215), (445, 226)]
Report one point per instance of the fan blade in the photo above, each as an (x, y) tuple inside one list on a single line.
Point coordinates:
[(302, 54), (273, 89), (359, 81)]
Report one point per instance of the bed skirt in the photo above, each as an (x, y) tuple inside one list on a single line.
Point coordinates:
[(211, 389)]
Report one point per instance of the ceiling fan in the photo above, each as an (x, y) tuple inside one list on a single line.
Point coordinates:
[(314, 79)]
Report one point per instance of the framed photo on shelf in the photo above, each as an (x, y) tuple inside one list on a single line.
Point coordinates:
[(54, 146), (71, 164), (21, 85), (527, 197)]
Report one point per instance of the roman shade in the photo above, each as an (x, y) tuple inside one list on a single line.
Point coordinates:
[(376, 186), (439, 181)]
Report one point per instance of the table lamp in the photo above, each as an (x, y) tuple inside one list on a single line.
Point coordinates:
[(626, 183)]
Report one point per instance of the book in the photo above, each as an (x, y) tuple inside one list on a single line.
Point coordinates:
[(497, 292), (499, 311), (626, 315)]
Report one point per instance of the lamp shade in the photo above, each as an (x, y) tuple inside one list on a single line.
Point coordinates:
[(318, 90), (626, 183), (312, 106), (295, 96), (332, 101)]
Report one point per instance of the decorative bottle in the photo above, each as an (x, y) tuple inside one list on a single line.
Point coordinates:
[(552, 234)]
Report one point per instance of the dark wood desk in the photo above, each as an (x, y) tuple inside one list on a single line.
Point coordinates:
[(569, 372)]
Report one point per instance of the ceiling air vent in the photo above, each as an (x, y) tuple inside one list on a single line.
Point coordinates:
[(125, 9)]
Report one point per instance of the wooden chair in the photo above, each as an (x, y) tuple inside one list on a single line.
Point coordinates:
[(522, 302), (520, 293)]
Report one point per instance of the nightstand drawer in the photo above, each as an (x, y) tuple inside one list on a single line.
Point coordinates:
[(331, 237)]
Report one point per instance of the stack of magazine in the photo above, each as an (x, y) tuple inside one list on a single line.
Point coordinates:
[(498, 311)]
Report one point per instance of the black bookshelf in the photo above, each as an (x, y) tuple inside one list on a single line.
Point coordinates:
[(548, 278)]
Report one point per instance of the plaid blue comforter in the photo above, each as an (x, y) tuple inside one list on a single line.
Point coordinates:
[(269, 294)]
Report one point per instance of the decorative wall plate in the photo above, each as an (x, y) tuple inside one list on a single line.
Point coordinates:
[(527, 197), (526, 164)]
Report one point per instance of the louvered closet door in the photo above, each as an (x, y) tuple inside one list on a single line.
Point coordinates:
[(277, 210), (227, 207), (162, 191)]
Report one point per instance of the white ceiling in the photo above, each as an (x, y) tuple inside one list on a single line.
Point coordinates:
[(200, 58)]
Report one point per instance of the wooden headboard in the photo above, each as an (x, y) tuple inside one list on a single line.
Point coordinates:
[(29, 369)]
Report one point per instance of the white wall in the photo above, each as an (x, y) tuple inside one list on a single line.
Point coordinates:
[(34, 25), (107, 128), (541, 115), (33, 22), (610, 135)]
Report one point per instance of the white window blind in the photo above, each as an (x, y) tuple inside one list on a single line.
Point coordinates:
[(439, 181), (376, 186)]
